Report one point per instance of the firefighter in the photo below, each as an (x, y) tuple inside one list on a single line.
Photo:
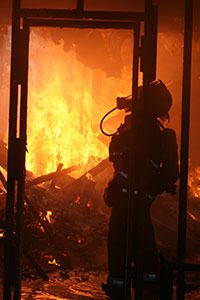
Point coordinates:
[(156, 166)]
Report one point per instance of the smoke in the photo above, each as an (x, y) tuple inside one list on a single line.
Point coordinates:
[(108, 50)]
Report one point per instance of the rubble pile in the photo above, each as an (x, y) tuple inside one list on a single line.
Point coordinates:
[(66, 220)]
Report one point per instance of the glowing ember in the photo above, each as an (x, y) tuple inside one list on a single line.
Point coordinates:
[(192, 216), (90, 177), (2, 233), (88, 204), (42, 229), (48, 217), (79, 240), (53, 262), (67, 100), (78, 200)]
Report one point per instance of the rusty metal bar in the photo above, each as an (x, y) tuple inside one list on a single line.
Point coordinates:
[(131, 199), (185, 126), (140, 220), (136, 56), (12, 179), (150, 44), (22, 154), (185, 129), (75, 14), (149, 73), (81, 24)]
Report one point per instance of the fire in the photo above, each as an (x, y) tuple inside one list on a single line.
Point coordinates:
[(194, 182), (66, 102), (53, 262), (48, 217)]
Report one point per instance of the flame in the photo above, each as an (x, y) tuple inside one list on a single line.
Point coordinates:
[(194, 182), (48, 217), (66, 102), (57, 78), (53, 262)]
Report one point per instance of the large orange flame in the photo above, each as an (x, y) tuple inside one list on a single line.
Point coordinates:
[(66, 103)]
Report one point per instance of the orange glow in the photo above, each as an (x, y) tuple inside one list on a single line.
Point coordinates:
[(194, 182), (79, 241), (42, 229), (78, 200), (66, 103), (53, 262), (192, 216), (48, 217)]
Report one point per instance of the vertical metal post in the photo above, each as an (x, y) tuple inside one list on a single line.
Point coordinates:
[(136, 53), (185, 126), (131, 200), (22, 154), (11, 189), (16, 156), (150, 42), (149, 74)]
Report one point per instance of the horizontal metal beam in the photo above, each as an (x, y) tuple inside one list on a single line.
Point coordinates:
[(74, 14), (82, 24)]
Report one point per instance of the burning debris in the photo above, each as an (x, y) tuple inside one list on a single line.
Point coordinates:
[(66, 220)]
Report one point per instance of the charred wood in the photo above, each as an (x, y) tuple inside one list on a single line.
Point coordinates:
[(89, 174), (3, 180), (57, 173), (50, 176), (30, 258)]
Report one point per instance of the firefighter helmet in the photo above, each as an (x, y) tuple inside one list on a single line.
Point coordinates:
[(159, 99)]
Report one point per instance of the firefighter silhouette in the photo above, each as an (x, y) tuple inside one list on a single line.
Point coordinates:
[(156, 164)]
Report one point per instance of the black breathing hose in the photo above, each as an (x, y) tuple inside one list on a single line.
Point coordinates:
[(101, 123)]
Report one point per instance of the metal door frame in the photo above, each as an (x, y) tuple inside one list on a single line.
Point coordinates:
[(22, 20)]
